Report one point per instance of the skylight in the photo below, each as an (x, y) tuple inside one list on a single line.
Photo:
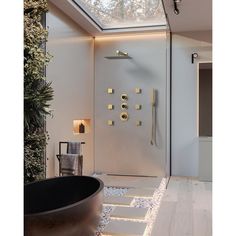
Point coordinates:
[(119, 14)]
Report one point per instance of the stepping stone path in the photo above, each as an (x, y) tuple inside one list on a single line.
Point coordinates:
[(124, 228), (140, 192), (119, 201), (129, 213), (129, 203)]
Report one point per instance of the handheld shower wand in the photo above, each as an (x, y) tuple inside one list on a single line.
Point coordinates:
[(154, 105)]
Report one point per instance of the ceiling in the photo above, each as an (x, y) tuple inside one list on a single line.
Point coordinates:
[(195, 15), (87, 14)]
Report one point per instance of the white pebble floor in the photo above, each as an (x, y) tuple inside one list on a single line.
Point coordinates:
[(152, 204)]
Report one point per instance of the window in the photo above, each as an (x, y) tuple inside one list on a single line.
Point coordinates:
[(119, 14)]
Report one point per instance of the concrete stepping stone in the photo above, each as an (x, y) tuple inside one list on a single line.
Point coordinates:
[(130, 181), (140, 192), (124, 228), (119, 201), (129, 213)]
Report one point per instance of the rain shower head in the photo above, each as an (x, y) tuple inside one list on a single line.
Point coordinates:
[(119, 55)]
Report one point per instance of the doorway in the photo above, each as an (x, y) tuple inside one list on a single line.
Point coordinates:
[(205, 120), (205, 100)]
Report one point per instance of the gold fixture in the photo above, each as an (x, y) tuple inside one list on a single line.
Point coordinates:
[(124, 106), (110, 122), (154, 109), (138, 107), (124, 116), (138, 90), (110, 91), (124, 97), (110, 107), (138, 123), (119, 55)]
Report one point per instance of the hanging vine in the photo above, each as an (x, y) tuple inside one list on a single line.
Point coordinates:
[(37, 90)]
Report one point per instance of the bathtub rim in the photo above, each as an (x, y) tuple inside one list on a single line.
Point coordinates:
[(101, 187)]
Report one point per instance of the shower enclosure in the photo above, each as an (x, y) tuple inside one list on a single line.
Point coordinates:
[(131, 49), (132, 104)]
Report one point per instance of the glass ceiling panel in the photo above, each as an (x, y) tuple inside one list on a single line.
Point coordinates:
[(115, 14)]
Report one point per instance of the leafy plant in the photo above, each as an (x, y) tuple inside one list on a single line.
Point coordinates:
[(37, 90)]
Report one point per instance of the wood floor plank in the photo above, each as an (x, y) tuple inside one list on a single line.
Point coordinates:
[(208, 186), (186, 209), (183, 218), (171, 194), (164, 221), (202, 198), (202, 225)]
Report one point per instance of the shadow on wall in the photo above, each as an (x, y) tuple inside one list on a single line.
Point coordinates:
[(140, 71), (205, 36)]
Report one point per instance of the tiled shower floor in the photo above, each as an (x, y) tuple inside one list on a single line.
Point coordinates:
[(130, 205)]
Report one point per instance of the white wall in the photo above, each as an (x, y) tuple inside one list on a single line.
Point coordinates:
[(71, 72), (184, 99)]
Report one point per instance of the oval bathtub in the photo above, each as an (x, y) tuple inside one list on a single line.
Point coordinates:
[(63, 206)]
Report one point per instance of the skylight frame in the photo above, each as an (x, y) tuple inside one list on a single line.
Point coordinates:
[(98, 24)]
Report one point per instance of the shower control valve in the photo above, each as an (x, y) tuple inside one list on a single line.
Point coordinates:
[(124, 97), (124, 116), (124, 106)]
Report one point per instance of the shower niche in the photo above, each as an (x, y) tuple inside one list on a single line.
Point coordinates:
[(124, 106)]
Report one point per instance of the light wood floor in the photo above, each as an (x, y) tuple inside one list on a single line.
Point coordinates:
[(186, 209)]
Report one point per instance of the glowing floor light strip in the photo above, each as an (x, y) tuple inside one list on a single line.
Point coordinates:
[(115, 205), (157, 197), (128, 219)]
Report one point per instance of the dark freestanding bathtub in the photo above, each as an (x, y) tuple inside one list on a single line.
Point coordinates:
[(63, 206)]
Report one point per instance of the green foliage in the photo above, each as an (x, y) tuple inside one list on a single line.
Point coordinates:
[(37, 91), (34, 148)]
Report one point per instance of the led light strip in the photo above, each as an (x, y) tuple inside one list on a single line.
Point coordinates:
[(129, 219), (157, 197), (115, 205)]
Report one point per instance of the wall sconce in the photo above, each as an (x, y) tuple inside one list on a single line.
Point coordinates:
[(194, 56), (81, 126)]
